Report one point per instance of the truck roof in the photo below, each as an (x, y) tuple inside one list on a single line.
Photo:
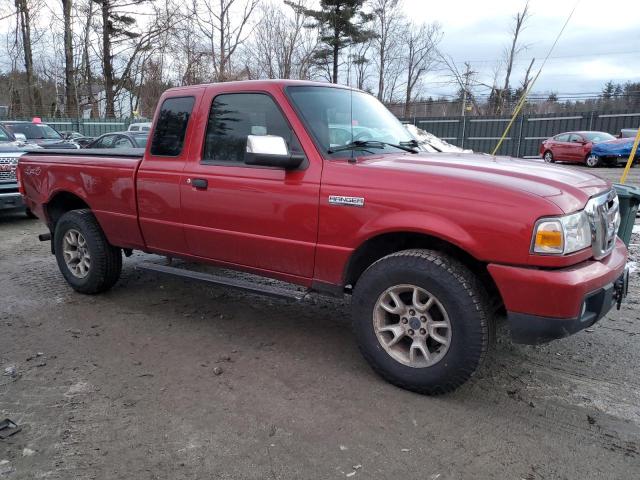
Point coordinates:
[(262, 84)]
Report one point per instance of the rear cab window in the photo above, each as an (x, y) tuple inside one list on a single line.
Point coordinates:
[(171, 126)]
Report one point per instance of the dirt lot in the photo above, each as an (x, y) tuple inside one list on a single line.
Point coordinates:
[(165, 379)]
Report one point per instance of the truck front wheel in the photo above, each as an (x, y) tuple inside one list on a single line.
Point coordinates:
[(421, 320), (85, 258)]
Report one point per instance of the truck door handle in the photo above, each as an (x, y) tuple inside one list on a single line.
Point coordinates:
[(200, 183)]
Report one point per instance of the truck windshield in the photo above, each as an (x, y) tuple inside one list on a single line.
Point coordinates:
[(5, 136), (337, 117), (35, 131)]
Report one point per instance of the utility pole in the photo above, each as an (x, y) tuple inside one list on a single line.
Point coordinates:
[(465, 89), (467, 76)]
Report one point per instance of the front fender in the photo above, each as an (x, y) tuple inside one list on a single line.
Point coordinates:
[(425, 223)]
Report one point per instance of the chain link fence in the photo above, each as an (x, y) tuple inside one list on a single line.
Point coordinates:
[(90, 127)]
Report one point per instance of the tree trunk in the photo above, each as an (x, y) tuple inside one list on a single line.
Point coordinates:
[(407, 101), (107, 66), (381, 73), (22, 10), (71, 109), (86, 63), (336, 55)]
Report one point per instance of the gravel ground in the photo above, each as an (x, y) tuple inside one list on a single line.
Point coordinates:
[(165, 379)]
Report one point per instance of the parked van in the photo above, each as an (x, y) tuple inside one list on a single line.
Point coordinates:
[(140, 127)]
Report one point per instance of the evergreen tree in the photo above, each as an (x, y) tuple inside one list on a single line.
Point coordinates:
[(341, 23), (618, 90), (608, 90)]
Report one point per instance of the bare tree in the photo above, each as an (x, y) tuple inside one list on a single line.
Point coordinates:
[(510, 55), (123, 39), (24, 14), (465, 81), (527, 76), (360, 63), (223, 31), (280, 43), (420, 56), (71, 103), (388, 24)]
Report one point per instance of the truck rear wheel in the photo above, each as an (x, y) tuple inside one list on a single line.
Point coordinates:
[(421, 320), (85, 258)]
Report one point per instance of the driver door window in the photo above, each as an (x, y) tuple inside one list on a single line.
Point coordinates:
[(235, 116)]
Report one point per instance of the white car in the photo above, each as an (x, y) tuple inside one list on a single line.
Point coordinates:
[(140, 127)]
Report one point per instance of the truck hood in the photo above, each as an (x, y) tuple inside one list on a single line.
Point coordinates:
[(568, 188)]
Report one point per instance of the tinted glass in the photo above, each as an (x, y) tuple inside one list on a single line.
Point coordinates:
[(233, 117), (337, 116), (122, 142), (598, 136), (141, 140), (35, 131), (4, 136), (105, 142), (168, 137)]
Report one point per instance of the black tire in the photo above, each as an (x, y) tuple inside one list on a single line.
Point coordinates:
[(592, 161), (29, 213), (548, 157), (106, 260), (461, 295)]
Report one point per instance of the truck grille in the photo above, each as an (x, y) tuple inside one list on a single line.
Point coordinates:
[(604, 218), (8, 168)]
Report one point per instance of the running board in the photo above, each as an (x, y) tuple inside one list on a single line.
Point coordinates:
[(246, 285)]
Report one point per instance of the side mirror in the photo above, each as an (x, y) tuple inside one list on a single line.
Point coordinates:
[(270, 151), (21, 137)]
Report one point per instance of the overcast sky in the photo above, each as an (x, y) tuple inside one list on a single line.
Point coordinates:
[(601, 42)]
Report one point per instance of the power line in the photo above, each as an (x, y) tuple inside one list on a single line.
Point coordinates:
[(560, 57)]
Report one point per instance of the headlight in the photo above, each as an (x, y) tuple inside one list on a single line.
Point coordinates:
[(562, 235)]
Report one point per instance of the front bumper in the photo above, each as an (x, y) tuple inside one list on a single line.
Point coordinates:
[(545, 304), (10, 200)]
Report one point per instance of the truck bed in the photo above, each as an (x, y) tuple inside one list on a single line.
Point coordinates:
[(90, 152), (104, 179)]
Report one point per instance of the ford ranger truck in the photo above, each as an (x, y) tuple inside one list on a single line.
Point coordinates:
[(322, 187)]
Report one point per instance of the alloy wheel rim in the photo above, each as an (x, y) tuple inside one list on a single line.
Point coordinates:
[(412, 326), (76, 253), (547, 157)]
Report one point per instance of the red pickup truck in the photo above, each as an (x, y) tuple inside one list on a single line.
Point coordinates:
[(320, 186)]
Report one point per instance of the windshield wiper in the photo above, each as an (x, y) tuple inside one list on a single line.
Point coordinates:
[(365, 144), (415, 143)]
